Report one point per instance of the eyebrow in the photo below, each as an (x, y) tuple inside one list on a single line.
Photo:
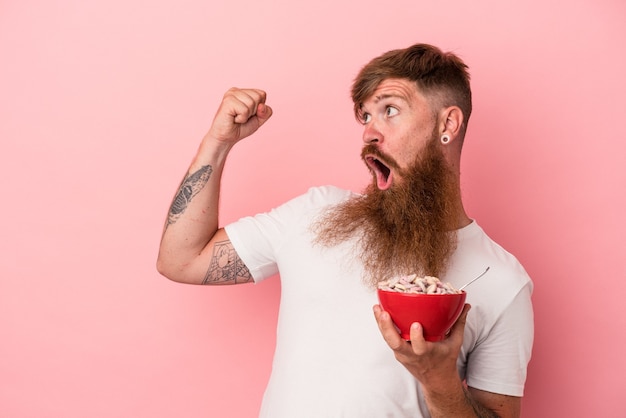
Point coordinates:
[(381, 97)]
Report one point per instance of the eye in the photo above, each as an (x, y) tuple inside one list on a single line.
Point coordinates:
[(365, 118), (391, 111)]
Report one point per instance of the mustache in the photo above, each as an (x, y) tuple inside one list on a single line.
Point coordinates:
[(371, 149)]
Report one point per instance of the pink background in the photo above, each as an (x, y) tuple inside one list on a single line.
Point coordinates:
[(102, 105)]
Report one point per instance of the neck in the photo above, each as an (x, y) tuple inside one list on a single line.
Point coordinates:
[(464, 220)]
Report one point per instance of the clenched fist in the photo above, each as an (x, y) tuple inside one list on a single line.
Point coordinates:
[(240, 114)]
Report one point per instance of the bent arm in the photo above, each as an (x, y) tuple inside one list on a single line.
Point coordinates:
[(193, 248), (433, 364)]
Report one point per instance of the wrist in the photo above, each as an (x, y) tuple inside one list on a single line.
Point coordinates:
[(212, 151)]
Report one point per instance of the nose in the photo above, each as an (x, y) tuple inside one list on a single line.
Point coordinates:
[(371, 134)]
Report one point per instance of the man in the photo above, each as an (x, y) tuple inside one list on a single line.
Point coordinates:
[(332, 246)]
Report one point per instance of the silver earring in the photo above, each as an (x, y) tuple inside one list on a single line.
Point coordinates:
[(445, 139)]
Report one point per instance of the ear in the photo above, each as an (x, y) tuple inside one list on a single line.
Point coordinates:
[(451, 122)]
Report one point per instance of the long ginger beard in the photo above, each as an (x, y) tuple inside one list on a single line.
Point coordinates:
[(408, 228)]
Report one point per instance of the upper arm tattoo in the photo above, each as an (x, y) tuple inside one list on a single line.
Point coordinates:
[(226, 267), (190, 186)]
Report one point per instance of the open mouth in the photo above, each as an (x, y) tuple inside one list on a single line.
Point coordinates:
[(381, 171)]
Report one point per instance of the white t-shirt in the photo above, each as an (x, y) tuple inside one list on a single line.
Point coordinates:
[(331, 360)]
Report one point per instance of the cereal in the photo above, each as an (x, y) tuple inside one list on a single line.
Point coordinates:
[(428, 285)]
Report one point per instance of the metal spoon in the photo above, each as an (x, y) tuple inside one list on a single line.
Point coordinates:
[(474, 279)]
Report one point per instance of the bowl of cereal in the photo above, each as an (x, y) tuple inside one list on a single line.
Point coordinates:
[(427, 300)]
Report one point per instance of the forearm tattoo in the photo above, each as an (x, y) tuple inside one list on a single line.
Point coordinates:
[(226, 267), (190, 186)]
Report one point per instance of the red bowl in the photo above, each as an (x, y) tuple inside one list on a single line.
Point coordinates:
[(436, 313)]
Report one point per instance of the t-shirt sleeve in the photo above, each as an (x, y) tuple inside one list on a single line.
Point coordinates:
[(498, 364), (254, 244)]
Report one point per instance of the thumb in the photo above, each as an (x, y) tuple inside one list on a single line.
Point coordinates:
[(263, 113)]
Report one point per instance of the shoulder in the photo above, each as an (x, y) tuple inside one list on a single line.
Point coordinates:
[(327, 193), (321, 196), (296, 211), (507, 281), (476, 245)]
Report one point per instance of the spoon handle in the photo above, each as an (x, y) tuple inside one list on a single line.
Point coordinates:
[(474, 279)]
